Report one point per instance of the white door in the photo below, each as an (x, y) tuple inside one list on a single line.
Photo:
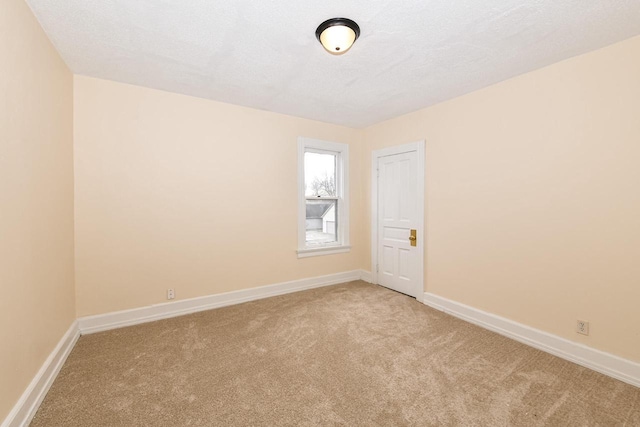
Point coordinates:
[(399, 261)]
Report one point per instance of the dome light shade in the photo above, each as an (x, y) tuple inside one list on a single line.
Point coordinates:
[(337, 35)]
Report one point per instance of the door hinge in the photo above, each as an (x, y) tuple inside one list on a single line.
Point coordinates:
[(377, 268), (378, 171)]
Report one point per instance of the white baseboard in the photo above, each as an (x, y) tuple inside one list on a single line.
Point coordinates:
[(366, 276), (26, 407), (600, 361), (119, 319)]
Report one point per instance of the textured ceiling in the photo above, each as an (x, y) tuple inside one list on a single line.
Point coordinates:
[(264, 54)]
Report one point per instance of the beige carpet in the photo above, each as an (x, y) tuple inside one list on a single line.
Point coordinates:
[(352, 354)]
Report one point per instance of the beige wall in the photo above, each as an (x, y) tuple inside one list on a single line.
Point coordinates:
[(185, 193), (533, 196), (36, 200)]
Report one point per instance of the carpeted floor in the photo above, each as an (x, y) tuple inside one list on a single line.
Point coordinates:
[(351, 354)]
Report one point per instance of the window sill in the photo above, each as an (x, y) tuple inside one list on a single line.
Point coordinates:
[(326, 250)]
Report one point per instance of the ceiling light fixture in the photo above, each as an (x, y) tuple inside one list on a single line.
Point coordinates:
[(337, 34)]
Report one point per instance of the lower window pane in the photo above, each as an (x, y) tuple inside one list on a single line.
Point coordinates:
[(321, 222)]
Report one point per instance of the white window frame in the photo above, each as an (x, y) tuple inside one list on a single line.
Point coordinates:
[(341, 151)]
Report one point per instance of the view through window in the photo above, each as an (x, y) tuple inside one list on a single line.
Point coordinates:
[(321, 197)]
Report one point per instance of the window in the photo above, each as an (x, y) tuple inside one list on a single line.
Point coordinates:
[(323, 208)]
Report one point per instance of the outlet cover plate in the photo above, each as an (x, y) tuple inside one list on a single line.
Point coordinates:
[(582, 327)]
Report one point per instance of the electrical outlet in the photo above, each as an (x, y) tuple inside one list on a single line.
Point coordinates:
[(171, 294), (582, 327)]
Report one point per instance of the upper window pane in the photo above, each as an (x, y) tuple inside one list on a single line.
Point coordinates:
[(320, 174)]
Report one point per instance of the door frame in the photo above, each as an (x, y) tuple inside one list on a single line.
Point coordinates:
[(419, 147)]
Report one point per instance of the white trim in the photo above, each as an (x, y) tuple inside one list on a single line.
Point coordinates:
[(342, 185), (119, 319), (324, 250), (365, 276), (26, 407), (597, 360), (419, 147)]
